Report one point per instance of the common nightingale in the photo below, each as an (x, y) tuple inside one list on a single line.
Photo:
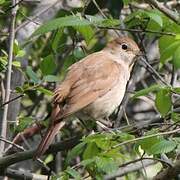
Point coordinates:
[(93, 87)]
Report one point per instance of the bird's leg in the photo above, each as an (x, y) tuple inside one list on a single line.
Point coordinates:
[(84, 124), (106, 122), (101, 125)]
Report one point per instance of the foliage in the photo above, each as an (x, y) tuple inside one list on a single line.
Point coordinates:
[(44, 58)]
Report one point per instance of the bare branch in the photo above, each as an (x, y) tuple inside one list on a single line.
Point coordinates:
[(172, 15), (169, 173), (146, 137), (25, 155), (17, 174), (11, 100), (130, 168), (139, 31), (8, 77)]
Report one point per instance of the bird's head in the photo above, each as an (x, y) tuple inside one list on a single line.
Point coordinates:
[(124, 48)]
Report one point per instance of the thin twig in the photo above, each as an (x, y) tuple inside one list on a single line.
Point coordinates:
[(29, 19), (139, 31), (154, 72), (129, 169), (171, 14), (99, 9), (8, 79), (23, 175), (25, 155), (23, 149), (146, 137), (169, 173), (36, 16), (11, 143), (143, 158), (14, 5), (11, 100)]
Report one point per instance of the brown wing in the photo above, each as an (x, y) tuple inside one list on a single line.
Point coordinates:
[(85, 82), (98, 74)]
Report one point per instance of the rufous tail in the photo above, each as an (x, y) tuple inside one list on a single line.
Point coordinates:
[(50, 133)]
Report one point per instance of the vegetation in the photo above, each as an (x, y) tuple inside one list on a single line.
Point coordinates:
[(40, 40)]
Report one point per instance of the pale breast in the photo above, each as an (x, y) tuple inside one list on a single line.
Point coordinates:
[(105, 105)]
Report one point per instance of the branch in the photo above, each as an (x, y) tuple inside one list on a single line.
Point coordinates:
[(169, 173), (146, 137), (11, 100), (21, 175), (152, 70), (8, 80), (130, 168), (25, 155), (139, 31), (172, 15), (14, 5)]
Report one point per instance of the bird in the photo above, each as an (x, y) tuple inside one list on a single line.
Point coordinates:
[(93, 87)]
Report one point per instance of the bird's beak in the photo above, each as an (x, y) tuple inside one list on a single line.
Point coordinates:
[(139, 53)]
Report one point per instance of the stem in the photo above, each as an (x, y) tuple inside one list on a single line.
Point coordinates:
[(11, 100), (139, 31), (146, 137), (8, 80), (172, 15)]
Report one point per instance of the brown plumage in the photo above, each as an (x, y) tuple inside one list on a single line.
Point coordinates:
[(94, 86)]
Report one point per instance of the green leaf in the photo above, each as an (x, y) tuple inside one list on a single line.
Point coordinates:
[(90, 151), (49, 159), (163, 146), (51, 78), (24, 122), (2, 1), (87, 162), (109, 23), (16, 47), (61, 22), (176, 139), (73, 173), (164, 42), (177, 90), (3, 63), (48, 65), (16, 64), (141, 17), (103, 143), (86, 31), (155, 16), (19, 89), (143, 92), (44, 91), (20, 53), (94, 19), (126, 2), (107, 165), (147, 143), (177, 36), (156, 145), (77, 150), (176, 58), (163, 101), (175, 117), (78, 53), (169, 51), (74, 21), (56, 40), (32, 75)]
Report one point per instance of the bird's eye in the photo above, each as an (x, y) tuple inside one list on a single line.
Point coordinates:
[(124, 46)]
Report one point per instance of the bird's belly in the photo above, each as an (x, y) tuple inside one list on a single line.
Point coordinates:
[(105, 105)]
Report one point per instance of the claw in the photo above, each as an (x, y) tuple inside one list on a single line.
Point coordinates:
[(60, 93)]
